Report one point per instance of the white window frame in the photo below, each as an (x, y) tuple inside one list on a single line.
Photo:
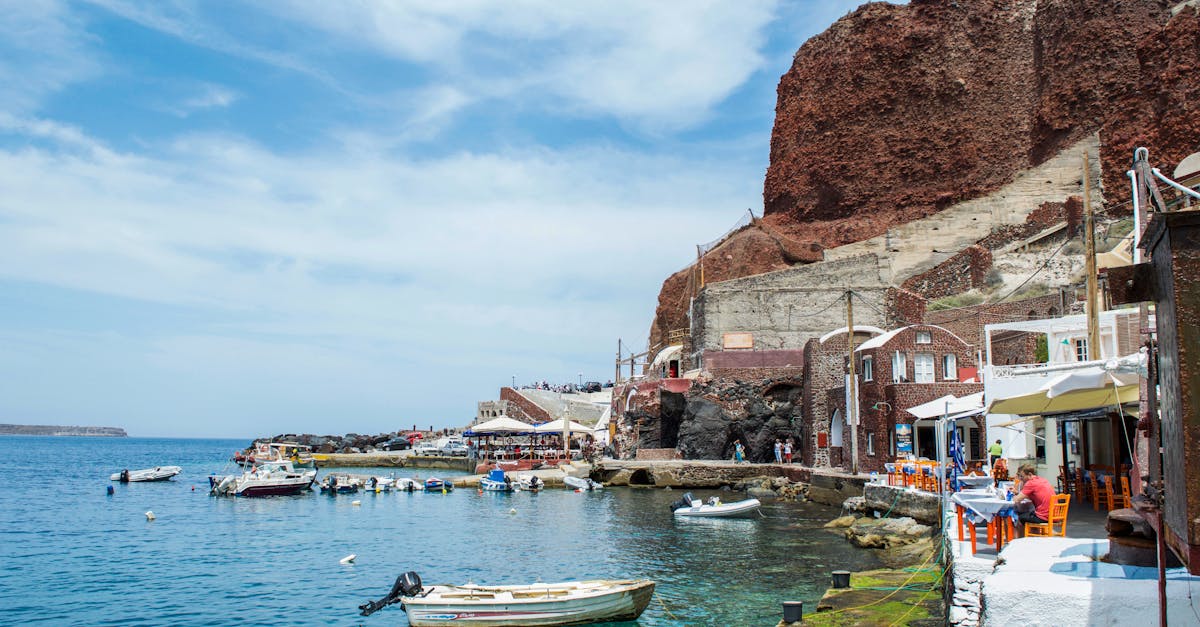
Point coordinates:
[(1082, 350), (871, 444), (950, 367), (868, 368), (920, 374), (924, 337), (899, 367)]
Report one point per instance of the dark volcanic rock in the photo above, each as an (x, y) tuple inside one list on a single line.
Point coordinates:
[(721, 412)]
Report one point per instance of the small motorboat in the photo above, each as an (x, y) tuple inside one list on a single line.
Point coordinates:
[(333, 484), (567, 603), (530, 483), (404, 484), (582, 483), (433, 484), (713, 507), (496, 481), (158, 473), (266, 479)]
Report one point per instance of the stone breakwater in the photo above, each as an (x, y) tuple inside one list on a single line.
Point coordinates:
[(349, 443)]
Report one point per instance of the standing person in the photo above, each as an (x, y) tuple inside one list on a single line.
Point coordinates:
[(787, 451), (738, 451), (778, 451), (995, 452), (1034, 498)]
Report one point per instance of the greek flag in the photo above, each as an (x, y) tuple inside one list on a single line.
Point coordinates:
[(956, 455)]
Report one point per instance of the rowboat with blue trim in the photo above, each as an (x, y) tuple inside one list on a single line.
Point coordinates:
[(545, 604)]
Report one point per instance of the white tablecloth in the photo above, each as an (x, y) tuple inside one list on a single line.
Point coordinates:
[(975, 481), (982, 508)]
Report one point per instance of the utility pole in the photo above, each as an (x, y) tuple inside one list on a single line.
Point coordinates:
[(700, 261), (1089, 225), (852, 392), (618, 377)]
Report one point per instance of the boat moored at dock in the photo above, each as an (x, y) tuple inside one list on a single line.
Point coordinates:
[(714, 508), (266, 479), (546, 604)]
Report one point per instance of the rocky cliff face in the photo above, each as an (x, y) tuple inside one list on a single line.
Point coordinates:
[(897, 112)]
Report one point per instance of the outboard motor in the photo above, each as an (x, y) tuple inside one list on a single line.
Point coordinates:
[(686, 501), (125, 476), (407, 585)]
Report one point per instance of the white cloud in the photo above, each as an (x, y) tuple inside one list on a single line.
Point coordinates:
[(658, 66), (333, 236), (209, 97), (41, 51)]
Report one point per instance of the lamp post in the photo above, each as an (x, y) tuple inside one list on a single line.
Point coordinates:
[(514, 385)]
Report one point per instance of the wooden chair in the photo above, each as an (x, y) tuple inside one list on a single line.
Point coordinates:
[(1101, 497), (1124, 498), (1083, 488), (1066, 479), (1058, 516)]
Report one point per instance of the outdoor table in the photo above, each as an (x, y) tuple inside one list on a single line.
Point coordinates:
[(984, 507), (975, 481)]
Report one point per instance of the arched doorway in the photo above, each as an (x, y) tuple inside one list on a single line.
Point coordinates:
[(835, 428)]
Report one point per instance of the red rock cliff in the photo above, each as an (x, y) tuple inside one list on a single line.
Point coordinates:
[(896, 112)]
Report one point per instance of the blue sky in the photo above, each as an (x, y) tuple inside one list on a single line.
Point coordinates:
[(241, 219)]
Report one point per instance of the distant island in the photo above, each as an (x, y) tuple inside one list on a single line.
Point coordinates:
[(101, 432)]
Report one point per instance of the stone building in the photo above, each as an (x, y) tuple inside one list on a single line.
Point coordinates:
[(824, 370), (896, 371)]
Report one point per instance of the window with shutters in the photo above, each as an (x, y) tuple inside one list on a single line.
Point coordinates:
[(923, 368)]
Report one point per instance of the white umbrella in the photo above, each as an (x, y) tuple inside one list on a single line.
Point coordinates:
[(503, 424), (556, 426)]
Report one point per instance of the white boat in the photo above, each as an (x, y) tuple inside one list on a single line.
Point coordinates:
[(581, 483), (404, 484), (266, 479), (567, 603), (530, 483), (158, 473), (713, 507)]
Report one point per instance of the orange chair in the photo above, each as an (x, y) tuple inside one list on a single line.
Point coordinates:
[(1084, 488), (1058, 516), (1124, 498)]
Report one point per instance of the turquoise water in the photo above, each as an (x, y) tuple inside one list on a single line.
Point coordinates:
[(74, 556)]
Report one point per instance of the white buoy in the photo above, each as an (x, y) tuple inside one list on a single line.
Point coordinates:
[(349, 559), (356, 503), (149, 515), (512, 510)]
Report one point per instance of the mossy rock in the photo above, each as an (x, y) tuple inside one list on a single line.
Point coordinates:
[(872, 599)]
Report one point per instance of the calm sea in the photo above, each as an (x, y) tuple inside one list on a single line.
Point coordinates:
[(73, 555)]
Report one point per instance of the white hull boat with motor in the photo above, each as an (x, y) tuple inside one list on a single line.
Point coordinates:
[(266, 479), (158, 473), (581, 483), (567, 603), (714, 508)]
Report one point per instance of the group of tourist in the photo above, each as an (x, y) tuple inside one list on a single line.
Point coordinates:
[(783, 450)]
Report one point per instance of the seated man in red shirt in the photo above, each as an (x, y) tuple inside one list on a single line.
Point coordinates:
[(1038, 492)]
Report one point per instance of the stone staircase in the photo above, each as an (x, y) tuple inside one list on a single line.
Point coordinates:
[(917, 246)]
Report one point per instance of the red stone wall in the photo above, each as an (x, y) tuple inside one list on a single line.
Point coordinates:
[(522, 408)]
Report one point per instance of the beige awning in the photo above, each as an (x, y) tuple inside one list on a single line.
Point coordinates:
[(1075, 400)]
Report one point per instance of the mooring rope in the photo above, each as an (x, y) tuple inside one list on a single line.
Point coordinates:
[(665, 608)]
